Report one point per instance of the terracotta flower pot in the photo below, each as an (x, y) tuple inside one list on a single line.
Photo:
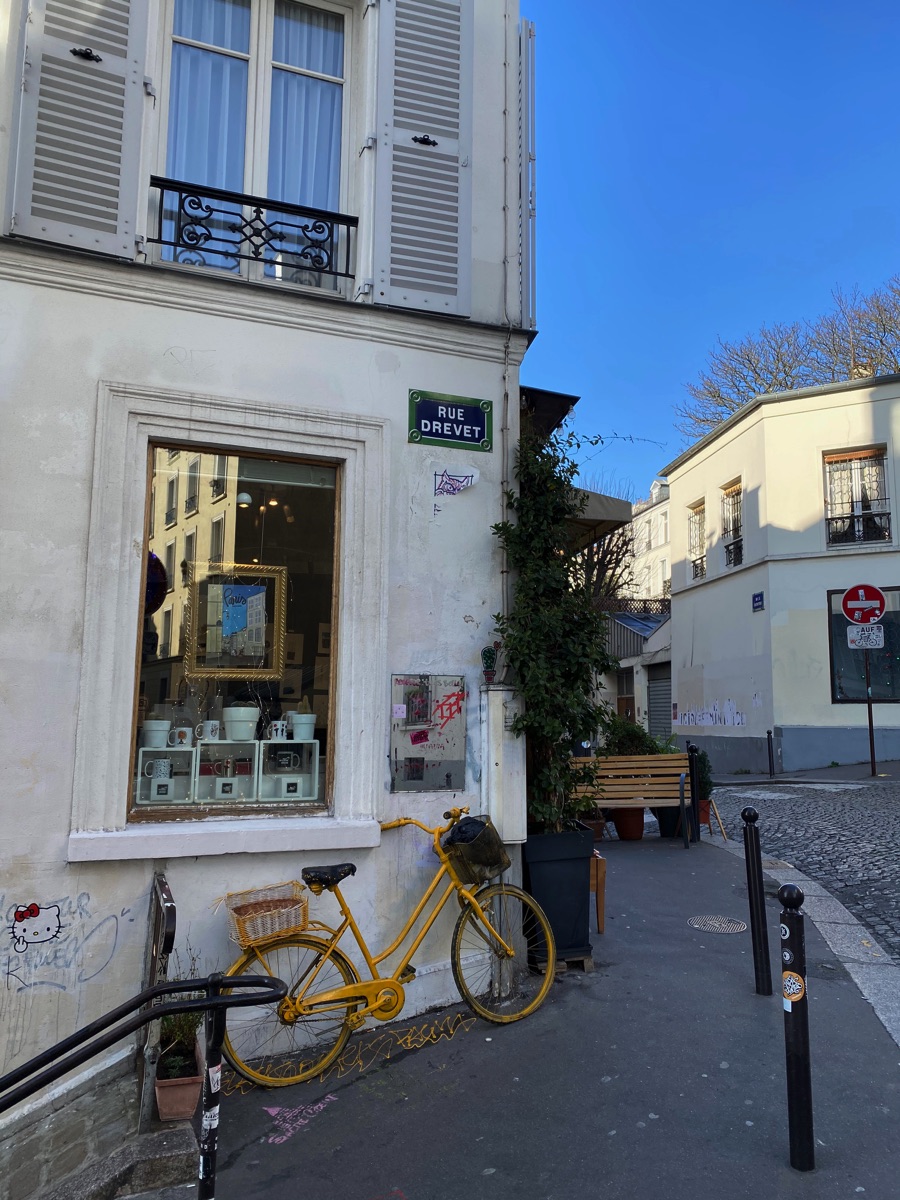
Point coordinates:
[(176, 1099), (629, 823)]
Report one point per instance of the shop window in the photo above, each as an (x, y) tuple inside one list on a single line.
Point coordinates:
[(243, 713), (848, 664)]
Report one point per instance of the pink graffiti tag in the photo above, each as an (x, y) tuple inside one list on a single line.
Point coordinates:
[(419, 737), (449, 707), (292, 1120)]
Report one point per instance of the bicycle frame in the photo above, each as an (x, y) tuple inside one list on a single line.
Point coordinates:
[(383, 995)]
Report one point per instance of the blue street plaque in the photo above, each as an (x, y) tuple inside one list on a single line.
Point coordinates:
[(455, 422), (759, 601)]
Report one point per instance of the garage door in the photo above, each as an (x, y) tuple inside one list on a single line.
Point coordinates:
[(659, 699)]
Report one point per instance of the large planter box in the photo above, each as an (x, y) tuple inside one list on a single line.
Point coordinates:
[(558, 875)]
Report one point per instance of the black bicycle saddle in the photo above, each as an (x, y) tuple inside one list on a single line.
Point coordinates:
[(327, 876)]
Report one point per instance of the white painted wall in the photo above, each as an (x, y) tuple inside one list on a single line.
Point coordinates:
[(95, 357), (770, 669)]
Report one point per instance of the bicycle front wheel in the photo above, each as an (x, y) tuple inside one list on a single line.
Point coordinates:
[(267, 1043), (496, 985)]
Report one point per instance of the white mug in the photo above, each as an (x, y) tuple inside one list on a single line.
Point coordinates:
[(181, 735), (158, 768), (154, 734), (277, 731), (207, 731)]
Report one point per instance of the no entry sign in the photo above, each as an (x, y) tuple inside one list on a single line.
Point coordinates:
[(863, 604)]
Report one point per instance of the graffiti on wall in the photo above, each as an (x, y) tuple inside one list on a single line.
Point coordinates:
[(57, 945), (716, 714)]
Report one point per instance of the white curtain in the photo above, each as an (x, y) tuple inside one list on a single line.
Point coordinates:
[(305, 132)]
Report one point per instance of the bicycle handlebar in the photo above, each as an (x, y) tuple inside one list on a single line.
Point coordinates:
[(452, 816)]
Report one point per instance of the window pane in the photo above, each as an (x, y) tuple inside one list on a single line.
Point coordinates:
[(305, 141), (309, 38), (848, 667), (207, 118), (223, 23), (248, 628)]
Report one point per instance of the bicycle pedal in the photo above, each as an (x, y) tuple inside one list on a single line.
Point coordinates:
[(408, 974)]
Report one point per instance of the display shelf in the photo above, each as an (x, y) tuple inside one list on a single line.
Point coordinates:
[(226, 772), (289, 770), (172, 789)]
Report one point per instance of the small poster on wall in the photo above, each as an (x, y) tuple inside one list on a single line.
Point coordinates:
[(428, 733)]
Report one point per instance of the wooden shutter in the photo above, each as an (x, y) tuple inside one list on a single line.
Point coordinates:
[(423, 213), (77, 177)]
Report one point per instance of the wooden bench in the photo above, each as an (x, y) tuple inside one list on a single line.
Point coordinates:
[(641, 781)]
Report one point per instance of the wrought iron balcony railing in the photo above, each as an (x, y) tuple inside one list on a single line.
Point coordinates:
[(698, 567), (734, 553), (190, 505), (850, 530), (218, 488), (171, 515), (208, 227)]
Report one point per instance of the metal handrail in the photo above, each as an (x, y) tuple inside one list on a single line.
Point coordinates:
[(92, 1043)]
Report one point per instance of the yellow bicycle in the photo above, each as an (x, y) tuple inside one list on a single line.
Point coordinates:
[(502, 954)]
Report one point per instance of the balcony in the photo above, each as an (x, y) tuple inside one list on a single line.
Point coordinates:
[(171, 515), (218, 488), (734, 553), (698, 567), (164, 649), (854, 530), (190, 505), (209, 227)]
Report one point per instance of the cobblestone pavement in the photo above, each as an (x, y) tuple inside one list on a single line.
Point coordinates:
[(844, 835)]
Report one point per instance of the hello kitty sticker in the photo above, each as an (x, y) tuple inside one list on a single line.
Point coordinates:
[(33, 924)]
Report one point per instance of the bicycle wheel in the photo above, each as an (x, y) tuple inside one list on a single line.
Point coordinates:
[(270, 1046), (496, 986)]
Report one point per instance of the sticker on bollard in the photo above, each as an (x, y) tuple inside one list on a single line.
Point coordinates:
[(796, 1030), (792, 987)]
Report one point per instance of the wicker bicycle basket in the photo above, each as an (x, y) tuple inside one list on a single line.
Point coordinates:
[(480, 858), (267, 912)]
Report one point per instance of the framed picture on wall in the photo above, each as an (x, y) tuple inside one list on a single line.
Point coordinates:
[(236, 622)]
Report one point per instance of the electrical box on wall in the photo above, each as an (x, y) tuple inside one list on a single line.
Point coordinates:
[(428, 733)]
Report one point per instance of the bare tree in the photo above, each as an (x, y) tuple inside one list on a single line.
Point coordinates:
[(608, 563), (858, 338)]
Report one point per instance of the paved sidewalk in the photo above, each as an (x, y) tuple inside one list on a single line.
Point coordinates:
[(661, 1075)]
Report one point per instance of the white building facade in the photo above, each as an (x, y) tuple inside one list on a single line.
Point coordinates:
[(266, 286), (774, 515)]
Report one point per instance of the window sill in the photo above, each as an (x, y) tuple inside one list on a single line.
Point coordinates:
[(180, 839)]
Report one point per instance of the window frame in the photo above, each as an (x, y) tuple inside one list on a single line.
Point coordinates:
[(859, 516), (129, 417), (733, 523), (835, 594), (258, 109)]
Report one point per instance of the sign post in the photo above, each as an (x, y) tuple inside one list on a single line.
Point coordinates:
[(864, 604)]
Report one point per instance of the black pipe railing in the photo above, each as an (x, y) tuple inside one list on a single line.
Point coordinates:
[(99, 1035)]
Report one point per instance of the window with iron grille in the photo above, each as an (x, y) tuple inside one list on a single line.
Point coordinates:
[(732, 528), (697, 541), (857, 505)]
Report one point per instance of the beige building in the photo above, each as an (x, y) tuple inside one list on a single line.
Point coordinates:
[(774, 515)]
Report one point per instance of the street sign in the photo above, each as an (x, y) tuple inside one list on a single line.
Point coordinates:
[(863, 604), (865, 637)]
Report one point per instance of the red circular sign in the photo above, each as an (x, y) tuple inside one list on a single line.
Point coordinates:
[(863, 604)]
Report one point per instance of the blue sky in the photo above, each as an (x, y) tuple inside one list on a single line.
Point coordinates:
[(702, 168)]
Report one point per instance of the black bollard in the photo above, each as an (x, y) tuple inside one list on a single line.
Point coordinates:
[(771, 746), (796, 1029), (758, 931), (212, 1090), (694, 815)]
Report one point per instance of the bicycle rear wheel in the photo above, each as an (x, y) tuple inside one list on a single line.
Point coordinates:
[(496, 986), (266, 1043)]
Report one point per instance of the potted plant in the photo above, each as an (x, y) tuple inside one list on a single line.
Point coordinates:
[(554, 641), (179, 1065)]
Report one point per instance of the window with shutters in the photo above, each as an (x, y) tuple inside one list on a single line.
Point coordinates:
[(857, 505), (255, 141)]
